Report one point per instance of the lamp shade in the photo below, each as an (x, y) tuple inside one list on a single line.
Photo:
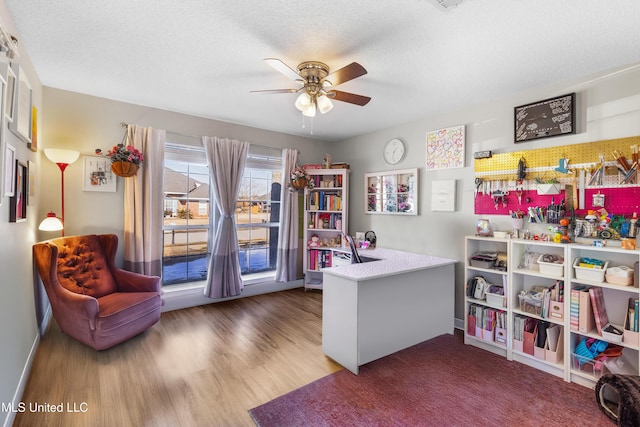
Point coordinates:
[(51, 223), (324, 104), (60, 155), (310, 111), (303, 101)]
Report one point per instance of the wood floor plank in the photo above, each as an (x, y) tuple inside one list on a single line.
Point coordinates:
[(204, 365)]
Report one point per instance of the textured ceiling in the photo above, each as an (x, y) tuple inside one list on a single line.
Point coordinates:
[(203, 57)]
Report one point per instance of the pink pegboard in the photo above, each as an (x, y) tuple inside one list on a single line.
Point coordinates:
[(484, 204), (618, 201)]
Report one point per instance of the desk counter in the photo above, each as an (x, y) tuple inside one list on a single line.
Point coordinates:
[(376, 308)]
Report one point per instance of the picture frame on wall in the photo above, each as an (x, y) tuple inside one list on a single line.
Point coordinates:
[(10, 93), (3, 139), (18, 202), (446, 148), (21, 123), (9, 170), (33, 145), (546, 118), (97, 174)]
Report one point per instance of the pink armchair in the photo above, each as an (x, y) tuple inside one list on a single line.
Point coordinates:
[(92, 300)]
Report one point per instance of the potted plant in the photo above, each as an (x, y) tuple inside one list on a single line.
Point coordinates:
[(125, 160)]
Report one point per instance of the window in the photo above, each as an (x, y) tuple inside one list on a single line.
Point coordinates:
[(186, 222), (188, 214)]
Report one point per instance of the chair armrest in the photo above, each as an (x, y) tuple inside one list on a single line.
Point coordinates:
[(128, 281), (71, 302)]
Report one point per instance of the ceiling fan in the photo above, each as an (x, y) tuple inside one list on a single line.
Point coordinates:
[(317, 85)]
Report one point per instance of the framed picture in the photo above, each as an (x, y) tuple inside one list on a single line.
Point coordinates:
[(9, 170), (32, 181), (445, 148), (18, 202), (21, 123), (97, 175), (391, 192), (33, 145), (10, 95), (3, 139), (542, 119)]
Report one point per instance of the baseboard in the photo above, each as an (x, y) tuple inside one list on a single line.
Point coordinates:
[(458, 323), (24, 377)]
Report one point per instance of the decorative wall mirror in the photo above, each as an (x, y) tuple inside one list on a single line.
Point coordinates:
[(391, 192)]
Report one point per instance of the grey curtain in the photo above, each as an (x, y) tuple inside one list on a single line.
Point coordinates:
[(143, 202), (226, 159), (286, 266)]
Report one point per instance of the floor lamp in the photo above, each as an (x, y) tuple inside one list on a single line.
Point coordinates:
[(62, 158)]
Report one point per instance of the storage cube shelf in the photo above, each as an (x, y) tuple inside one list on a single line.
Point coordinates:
[(529, 279)]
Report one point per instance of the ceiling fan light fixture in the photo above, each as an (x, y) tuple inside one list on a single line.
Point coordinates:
[(324, 104), (310, 111), (303, 101)]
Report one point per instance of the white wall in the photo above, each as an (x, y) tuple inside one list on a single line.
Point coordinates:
[(608, 106), (18, 330)]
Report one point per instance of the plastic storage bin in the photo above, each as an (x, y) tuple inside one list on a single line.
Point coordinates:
[(550, 268), (484, 259), (590, 273), (530, 305), (621, 275), (588, 365), (495, 296)]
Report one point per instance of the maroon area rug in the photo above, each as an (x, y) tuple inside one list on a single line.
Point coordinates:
[(441, 382)]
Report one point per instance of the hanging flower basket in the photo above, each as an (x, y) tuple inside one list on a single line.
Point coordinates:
[(299, 183), (124, 169), (300, 179)]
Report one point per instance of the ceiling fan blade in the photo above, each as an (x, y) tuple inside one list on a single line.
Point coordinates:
[(345, 74), (275, 91), (351, 98), (283, 68)]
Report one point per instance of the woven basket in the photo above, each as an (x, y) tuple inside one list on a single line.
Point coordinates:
[(124, 169), (299, 183)]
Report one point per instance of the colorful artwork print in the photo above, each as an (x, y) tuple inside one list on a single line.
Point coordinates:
[(445, 148)]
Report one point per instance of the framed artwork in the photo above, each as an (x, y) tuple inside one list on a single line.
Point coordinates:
[(3, 139), (33, 145), (445, 148), (542, 119), (392, 192), (10, 95), (97, 174), (32, 181), (18, 202), (21, 124), (9, 170)]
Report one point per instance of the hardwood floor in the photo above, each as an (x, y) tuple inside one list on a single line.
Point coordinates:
[(202, 366)]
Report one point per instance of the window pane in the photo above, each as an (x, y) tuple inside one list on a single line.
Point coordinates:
[(185, 255)]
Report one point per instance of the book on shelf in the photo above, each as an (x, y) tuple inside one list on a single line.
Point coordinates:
[(599, 309), (632, 315)]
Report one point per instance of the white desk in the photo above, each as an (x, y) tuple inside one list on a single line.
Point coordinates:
[(374, 309)]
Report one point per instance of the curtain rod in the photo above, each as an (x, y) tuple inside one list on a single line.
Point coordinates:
[(123, 124)]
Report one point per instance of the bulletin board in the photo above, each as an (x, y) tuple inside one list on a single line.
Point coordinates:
[(572, 166)]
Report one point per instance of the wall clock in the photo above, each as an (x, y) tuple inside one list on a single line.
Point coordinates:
[(394, 151)]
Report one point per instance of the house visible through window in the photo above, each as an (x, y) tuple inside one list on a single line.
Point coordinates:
[(189, 214)]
